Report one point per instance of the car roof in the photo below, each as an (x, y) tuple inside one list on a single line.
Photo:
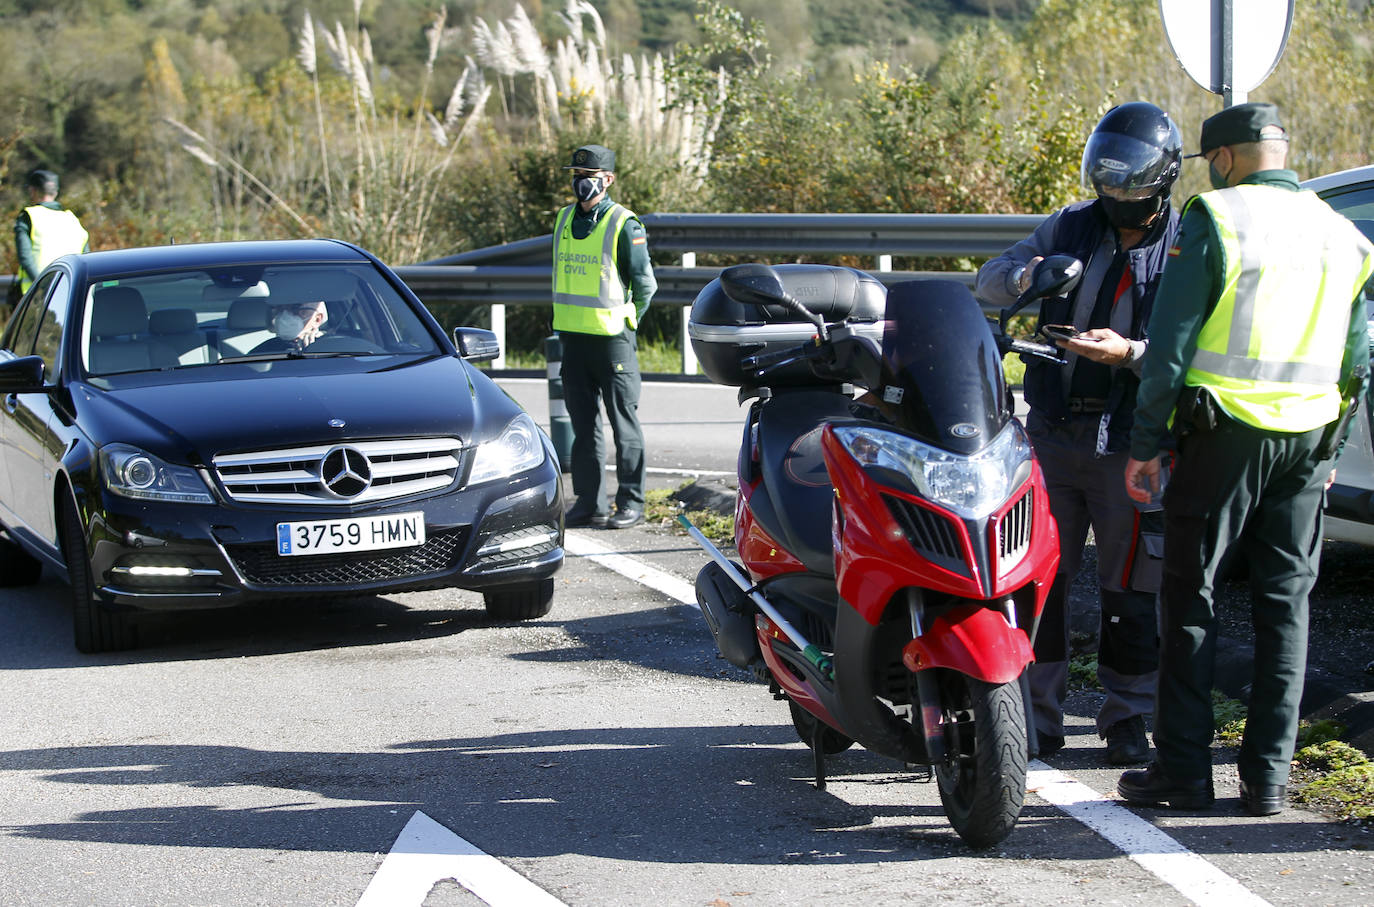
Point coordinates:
[(1340, 179), (213, 254)]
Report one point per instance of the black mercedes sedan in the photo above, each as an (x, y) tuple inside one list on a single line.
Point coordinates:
[(198, 426)]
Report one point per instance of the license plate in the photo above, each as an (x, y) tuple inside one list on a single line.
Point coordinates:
[(393, 530)]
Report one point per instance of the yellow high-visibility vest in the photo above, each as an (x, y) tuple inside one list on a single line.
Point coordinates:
[(54, 234), (588, 297), (1271, 351)]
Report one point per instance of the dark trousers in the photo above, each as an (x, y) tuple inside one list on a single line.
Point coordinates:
[(1086, 491), (597, 369), (1237, 488)]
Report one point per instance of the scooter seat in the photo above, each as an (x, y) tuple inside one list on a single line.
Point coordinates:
[(794, 475)]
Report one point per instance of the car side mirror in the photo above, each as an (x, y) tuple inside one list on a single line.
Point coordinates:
[(476, 344), (23, 375)]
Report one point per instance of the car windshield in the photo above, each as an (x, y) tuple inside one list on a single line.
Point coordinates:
[(210, 318), (1357, 204)]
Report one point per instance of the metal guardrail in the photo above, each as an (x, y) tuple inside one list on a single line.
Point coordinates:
[(529, 285), (518, 273), (925, 235)]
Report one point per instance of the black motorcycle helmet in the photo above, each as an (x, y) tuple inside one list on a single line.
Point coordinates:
[(1131, 161)]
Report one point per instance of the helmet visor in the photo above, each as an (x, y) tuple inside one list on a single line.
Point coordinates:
[(1126, 167)]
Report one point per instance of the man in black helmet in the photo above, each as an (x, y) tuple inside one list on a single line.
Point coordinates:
[(1080, 414)]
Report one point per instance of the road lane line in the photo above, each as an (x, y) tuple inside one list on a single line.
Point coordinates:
[(579, 544), (1195, 878), (427, 853), (1161, 855)]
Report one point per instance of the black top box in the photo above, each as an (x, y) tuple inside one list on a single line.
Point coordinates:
[(724, 331)]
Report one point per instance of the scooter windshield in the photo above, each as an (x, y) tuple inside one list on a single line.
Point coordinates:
[(942, 375)]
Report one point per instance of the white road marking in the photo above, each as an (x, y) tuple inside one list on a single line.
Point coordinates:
[(580, 545), (427, 853), (1193, 877), (1174, 864)]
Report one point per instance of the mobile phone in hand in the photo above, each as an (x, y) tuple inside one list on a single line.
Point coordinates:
[(1060, 331)]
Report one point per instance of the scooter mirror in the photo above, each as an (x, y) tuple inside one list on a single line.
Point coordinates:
[(753, 284), (1054, 276)]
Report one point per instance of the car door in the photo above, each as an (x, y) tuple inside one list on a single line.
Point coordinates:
[(1350, 502), (31, 449), (20, 334)]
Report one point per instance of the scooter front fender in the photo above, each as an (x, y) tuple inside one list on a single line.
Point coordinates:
[(972, 640)]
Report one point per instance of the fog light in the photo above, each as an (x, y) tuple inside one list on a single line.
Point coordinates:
[(506, 543)]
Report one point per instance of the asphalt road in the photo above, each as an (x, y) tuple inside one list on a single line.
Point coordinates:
[(300, 753)]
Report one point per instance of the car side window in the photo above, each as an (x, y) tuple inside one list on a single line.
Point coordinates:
[(48, 344), (22, 334)]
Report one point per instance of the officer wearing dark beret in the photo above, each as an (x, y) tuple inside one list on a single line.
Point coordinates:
[(603, 282), (1258, 351)]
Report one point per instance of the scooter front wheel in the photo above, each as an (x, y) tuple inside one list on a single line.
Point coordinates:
[(983, 780)]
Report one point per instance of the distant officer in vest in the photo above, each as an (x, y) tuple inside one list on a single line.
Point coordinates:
[(45, 231), (603, 282), (1080, 415), (1258, 354)]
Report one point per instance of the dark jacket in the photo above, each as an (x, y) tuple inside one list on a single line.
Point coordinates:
[(1078, 231)]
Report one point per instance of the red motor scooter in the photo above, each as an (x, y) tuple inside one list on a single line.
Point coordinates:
[(897, 546)]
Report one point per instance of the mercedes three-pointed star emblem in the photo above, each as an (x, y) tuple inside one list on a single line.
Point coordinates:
[(345, 472)]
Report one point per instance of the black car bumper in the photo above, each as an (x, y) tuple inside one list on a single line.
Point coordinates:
[(180, 557)]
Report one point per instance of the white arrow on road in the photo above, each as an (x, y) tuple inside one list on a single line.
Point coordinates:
[(427, 853)]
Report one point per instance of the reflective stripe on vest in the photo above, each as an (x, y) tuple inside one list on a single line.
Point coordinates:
[(1291, 268), (588, 297), (54, 234)]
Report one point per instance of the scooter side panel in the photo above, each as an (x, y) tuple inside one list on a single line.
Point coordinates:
[(760, 552)]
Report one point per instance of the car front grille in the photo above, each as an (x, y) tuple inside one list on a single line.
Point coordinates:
[(262, 566), (353, 472)]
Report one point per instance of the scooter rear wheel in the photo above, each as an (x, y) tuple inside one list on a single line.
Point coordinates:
[(832, 741), (983, 781)]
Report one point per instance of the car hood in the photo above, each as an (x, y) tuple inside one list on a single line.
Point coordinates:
[(191, 422)]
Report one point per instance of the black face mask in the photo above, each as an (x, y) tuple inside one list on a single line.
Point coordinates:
[(1134, 215), (587, 188)]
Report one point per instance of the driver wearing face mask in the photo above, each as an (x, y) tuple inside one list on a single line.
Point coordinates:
[(1081, 413), (296, 325)]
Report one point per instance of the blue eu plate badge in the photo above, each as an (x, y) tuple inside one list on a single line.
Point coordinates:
[(283, 538)]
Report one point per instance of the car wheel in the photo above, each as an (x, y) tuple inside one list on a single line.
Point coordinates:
[(95, 628), (520, 602), (17, 567)]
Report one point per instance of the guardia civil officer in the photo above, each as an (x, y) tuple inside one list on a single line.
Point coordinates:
[(44, 230), (602, 285), (1080, 414), (1257, 346)]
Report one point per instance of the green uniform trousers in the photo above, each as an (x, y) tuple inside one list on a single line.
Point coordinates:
[(597, 369), (1238, 489)]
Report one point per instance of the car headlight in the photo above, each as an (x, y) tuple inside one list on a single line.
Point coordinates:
[(518, 448), (133, 473), (972, 486)]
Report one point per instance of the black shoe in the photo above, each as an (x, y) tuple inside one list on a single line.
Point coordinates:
[(1126, 743), (1151, 786), (1049, 743), (1263, 799), (578, 518), (625, 517)]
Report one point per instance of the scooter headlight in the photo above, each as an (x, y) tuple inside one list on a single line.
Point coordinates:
[(972, 486)]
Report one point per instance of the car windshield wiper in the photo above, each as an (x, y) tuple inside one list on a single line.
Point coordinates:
[(296, 354)]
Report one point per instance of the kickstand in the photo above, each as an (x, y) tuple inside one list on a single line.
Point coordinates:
[(818, 754)]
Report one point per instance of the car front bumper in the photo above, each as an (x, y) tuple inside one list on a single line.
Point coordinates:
[(155, 556)]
